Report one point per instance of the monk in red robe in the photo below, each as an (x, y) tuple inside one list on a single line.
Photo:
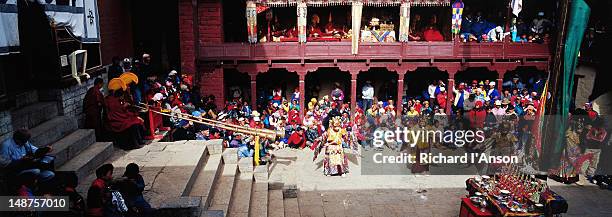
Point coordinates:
[(124, 122), (93, 104), (432, 34)]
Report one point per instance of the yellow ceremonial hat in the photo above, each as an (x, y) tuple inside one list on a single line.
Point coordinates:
[(128, 78), (116, 84)]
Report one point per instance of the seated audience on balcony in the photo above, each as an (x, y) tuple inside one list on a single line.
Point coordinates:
[(23, 157), (416, 27), (432, 34), (314, 30), (496, 34), (540, 24)]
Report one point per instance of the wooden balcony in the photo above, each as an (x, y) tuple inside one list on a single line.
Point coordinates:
[(293, 51)]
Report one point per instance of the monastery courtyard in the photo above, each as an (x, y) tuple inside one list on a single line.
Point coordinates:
[(197, 174)]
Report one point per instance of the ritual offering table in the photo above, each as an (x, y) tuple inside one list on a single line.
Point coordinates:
[(514, 194), (469, 209)]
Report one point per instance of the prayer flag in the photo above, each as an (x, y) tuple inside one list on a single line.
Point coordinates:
[(517, 6), (457, 16)]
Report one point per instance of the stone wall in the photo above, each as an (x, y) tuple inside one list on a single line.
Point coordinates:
[(5, 125), (115, 29), (70, 99), (187, 44)]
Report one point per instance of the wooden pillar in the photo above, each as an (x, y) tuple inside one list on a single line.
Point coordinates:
[(354, 74), (253, 90), (500, 81), (450, 99), (302, 84), (400, 92)]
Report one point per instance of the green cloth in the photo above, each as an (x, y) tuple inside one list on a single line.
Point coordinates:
[(578, 20)]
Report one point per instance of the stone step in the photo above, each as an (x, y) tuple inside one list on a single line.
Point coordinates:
[(207, 177), (171, 172), (276, 207), (52, 130), (88, 160), (215, 146), (223, 189), (245, 165), (34, 114), (292, 209), (71, 145), (261, 173), (26, 98), (259, 200), (241, 197), (230, 156)]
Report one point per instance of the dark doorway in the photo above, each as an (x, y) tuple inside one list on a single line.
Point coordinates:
[(156, 32), (281, 79)]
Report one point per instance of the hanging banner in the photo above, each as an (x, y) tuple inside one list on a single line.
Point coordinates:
[(356, 26), (404, 28), (80, 17), (517, 7), (457, 17), (251, 16), (302, 13), (9, 31)]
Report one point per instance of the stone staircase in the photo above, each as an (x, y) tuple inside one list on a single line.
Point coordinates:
[(201, 179), (76, 150)]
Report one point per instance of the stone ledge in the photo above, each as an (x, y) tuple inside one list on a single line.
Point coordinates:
[(245, 165), (230, 156), (261, 174)]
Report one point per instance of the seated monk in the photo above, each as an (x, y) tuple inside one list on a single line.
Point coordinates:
[(314, 30), (432, 34), (124, 123), (291, 33)]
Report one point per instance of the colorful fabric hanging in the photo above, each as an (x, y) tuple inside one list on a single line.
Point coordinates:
[(251, 16), (517, 6), (578, 20), (457, 16), (302, 14), (356, 27), (404, 28)]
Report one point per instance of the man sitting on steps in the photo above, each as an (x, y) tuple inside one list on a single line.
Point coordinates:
[(25, 157)]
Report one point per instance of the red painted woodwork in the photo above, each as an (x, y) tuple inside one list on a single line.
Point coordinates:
[(372, 51)]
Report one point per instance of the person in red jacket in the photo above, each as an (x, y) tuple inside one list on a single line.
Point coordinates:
[(477, 115), (442, 98)]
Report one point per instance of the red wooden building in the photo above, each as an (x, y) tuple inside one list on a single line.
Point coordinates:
[(205, 52)]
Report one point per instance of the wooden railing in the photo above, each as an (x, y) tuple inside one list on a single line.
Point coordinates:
[(342, 51)]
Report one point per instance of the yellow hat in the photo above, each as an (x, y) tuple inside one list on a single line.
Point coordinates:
[(128, 78), (116, 84)]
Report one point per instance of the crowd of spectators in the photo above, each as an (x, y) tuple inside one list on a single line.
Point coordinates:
[(475, 27)]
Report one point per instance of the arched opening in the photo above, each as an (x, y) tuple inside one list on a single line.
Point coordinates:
[(531, 78), (321, 82), (275, 79), (417, 82), (479, 74), (382, 80), (237, 85)]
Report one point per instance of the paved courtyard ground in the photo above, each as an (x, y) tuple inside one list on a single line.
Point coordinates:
[(395, 195)]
